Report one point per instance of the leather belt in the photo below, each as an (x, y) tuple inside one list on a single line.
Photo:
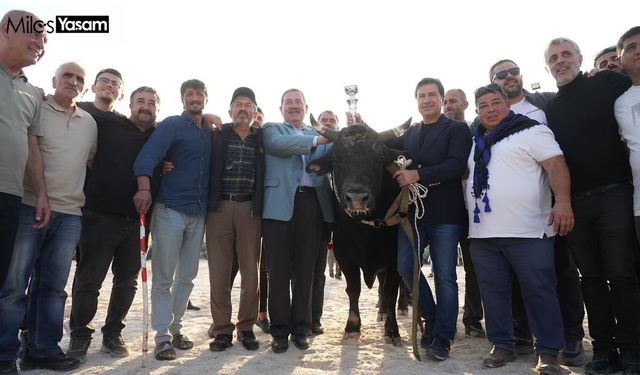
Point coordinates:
[(236, 197), (595, 191), (306, 189)]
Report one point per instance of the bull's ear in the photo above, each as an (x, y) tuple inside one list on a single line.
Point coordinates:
[(321, 165), (390, 156)]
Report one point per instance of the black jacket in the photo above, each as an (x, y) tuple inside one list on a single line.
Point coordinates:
[(220, 144)]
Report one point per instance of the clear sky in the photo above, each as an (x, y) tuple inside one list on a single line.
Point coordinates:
[(321, 46)]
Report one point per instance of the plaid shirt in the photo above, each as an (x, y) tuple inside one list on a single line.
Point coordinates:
[(240, 166)]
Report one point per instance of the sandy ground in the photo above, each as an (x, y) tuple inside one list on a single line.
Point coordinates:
[(327, 355)]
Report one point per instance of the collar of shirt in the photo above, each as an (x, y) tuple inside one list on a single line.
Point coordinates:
[(53, 104)]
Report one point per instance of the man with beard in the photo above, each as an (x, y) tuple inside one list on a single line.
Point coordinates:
[(68, 141), (603, 242), (178, 219), (506, 74), (607, 59), (233, 220), (110, 228), (20, 107), (296, 204)]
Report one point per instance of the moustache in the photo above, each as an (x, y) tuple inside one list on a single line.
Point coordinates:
[(193, 102), (145, 112)]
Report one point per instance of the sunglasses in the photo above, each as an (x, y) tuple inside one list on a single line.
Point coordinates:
[(503, 74)]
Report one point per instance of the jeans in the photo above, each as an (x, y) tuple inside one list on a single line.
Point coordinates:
[(177, 240), (44, 256), (444, 253), (604, 247), (106, 240), (532, 261), (9, 213)]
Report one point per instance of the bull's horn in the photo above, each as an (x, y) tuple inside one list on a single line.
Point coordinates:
[(329, 133), (395, 132)]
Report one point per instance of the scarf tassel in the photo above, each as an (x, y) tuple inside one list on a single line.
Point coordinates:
[(487, 208), (476, 212)]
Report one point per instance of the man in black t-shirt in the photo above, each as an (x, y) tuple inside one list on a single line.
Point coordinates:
[(110, 225), (603, 239)]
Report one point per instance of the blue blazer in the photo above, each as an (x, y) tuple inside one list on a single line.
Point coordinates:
[(283, 167), (441, 161)]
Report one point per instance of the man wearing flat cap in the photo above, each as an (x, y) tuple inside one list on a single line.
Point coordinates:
[(235, 208)]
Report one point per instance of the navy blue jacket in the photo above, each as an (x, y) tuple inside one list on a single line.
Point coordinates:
[(441, 161)]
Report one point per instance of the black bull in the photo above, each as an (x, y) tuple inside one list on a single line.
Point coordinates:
[(364, 191)]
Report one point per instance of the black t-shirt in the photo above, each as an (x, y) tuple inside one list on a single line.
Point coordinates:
[(583, 121), (110, 184)]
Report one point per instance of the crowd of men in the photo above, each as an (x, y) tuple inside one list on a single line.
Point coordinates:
[(541, 192)]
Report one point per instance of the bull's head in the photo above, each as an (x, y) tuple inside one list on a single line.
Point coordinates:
[(357, 162)]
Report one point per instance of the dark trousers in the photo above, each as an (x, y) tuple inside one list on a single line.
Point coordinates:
[(291, 249), (264, 281), (472, 300), (531, 259), (9, 216), (105, 238), (604, 247), (569, 293), (319, 279)]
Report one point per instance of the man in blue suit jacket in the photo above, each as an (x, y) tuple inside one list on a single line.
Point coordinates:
[(439, 148), (295, 206)]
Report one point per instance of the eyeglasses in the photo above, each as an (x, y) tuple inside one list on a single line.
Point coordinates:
[(107, 81), (503, 74)]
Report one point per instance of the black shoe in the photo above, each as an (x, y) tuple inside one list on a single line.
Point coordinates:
[(8, 368), (573, 354), (279, 344), (248, 340), (220, 343), (300, 341), (115, 346), (474, 329), (427, 337), (604, 362), (78, 347), (191, 306), (439, 348), (548, 365), (499, 357), (264, 325), (316, 328), (59, 362)]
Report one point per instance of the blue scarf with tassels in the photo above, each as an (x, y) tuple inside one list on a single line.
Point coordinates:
[(511, 124)]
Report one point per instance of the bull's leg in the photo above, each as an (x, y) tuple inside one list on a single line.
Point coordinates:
[(352, 274), (403, 299), (381, 304), (391, 284)]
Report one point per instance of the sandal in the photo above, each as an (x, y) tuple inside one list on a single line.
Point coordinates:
[(182, 342), (164, 351)]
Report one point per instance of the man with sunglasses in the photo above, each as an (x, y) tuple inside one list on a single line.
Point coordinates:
[(110, 227), (603, 242), (506, 74)]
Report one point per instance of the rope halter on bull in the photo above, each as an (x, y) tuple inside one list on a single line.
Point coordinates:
[(410, 194)]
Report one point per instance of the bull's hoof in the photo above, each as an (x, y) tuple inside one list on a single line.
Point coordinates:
[(395, 341), (403, 312), (351, 337), (381, 317)]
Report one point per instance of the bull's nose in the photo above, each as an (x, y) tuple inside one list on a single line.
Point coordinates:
[(356, 199)]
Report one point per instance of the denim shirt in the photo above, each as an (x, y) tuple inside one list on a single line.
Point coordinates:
[(177, 139)]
